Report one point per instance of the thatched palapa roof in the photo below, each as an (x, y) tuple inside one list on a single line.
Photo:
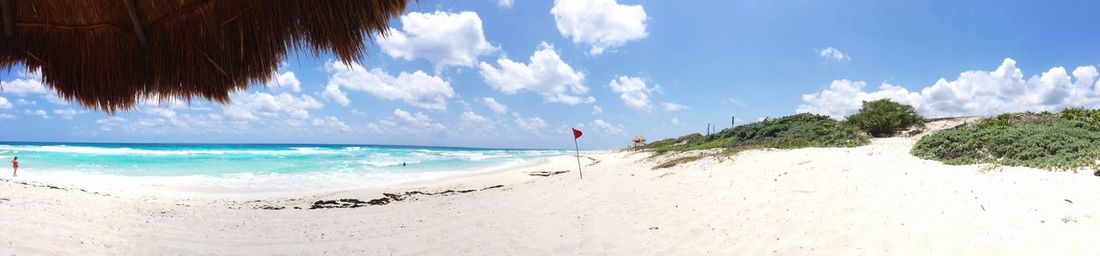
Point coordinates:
[(108, 54)]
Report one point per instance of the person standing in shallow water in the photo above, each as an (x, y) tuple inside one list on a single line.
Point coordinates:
[(15, 167)]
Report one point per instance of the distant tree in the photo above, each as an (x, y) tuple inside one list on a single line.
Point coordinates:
[(883, 118)]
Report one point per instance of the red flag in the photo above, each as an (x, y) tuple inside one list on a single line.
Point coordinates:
[(576, 133)]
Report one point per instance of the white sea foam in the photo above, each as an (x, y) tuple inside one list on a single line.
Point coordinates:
[(246, 168), (388, 163), (99, 180)]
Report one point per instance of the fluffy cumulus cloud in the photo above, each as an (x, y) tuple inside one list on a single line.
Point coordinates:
[(492, 103), (596, 110), (22, 101), (4, 103), (634, 91), (273, 113), (417, 89), (475, 125), (29, 82), (285, 81), (601, 24), (256, 105), (406, 122), (545, 74), (330, 122), (38, 112), (844, 97), (833, 54), (976, 92), (443, 38), (67, 113), (530, 124), (205, 123), (474, 118), (505, 3), (605, 128)]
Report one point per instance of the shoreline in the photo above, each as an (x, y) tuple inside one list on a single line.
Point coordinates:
[(149, 184), (873, 199)]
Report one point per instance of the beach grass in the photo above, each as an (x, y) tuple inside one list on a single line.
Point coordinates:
[(1054, 141)]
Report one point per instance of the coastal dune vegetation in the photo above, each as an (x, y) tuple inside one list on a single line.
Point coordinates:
[(1055, 141), (875, 118), (1067, 140)]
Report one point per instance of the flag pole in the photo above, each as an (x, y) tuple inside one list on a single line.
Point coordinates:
[(578, 147)]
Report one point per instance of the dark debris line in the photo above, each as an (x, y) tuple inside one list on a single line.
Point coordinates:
[(388, 198), (53, 187)]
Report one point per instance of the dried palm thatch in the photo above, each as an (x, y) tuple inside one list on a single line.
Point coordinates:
[(108, 54)]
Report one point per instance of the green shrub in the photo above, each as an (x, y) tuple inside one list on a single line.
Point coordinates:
[(882, 118), (1091, 117), (795, 131), (1042, 140)]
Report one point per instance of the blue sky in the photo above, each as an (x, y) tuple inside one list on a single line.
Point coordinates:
[(656, 68)]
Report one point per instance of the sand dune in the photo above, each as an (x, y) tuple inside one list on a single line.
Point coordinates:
[(875, 199)]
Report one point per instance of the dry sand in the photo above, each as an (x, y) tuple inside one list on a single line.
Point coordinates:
[(870, 200)]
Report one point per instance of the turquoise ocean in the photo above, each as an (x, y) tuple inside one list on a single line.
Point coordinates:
[(253, 167)]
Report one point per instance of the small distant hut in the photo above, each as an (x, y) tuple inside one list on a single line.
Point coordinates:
[(639, 140)]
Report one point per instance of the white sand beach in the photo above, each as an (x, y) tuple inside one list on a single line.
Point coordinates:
[(871, 200)]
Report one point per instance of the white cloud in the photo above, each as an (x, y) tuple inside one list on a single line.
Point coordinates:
[(418, 118), (596, 110), (6, 116), (166, 108), (604, 128), (602, 24), (675, 121), (282, 113), (161, 112), (833, 54), (476, 125), (405, 122), (276, 108), (22, 101), (669, 106), (505, 3), (497, 107), (443, 38), (25, 83), (530, 124), (55, 99), (634, 91), (546, 74), (66, 114), (974, 92), (472, 117), (738, 103), (331, 123), (417, 89), (110, 123), (285, 81), (4, 103), (39, 112), (203, 123)]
